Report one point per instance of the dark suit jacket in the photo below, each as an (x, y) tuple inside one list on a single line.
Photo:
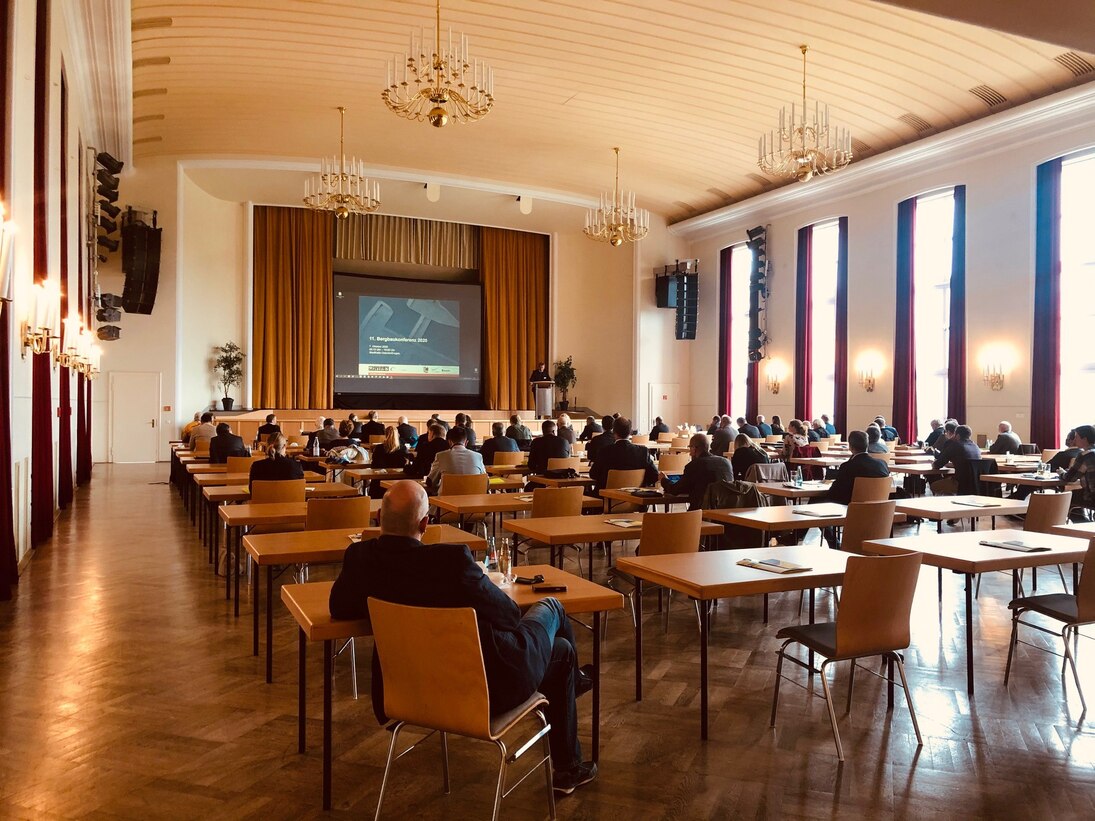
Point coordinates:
[(589, 431), (963, 456), (497, 444), (934, 437), (597, 444), (752, 431), (544, 448), (371, 429), (224, 445), (623, 455), (404, 571), (424, 456), (470, 443), (654, 431), (1006, 443), (408, 434), (743, 458), (275, 468), (765, 429), (859, 465), (698, 474), (721, 440), (265, 429)]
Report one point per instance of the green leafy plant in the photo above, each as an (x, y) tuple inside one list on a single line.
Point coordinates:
[(228, 365), (565, 377)]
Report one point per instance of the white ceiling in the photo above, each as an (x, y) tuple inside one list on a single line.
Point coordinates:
[(685, 87)]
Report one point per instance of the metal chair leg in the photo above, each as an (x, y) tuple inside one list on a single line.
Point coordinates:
[(547, 767), (832, 712), (501, 780), (445, 761), (908, 698), (1072, 663), (387, 769), (851, 686), (1011, 644), (779, 677)]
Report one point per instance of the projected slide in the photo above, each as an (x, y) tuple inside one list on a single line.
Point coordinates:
[(409, 337)]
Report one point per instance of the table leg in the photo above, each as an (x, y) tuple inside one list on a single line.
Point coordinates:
[(969, 633), (302, 702), (638, 639), (214, 538), (705, 615), (227, 563), (596, 685), (810, 657), (269, 620), (589, 548), (1015, 583), (1034, 580), (236, 569), (255, 616), (1075, 577), (939, 525), (328, 674)]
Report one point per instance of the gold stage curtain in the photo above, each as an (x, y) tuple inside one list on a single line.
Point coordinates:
[(385, 238), (293, 339), (514, 273)]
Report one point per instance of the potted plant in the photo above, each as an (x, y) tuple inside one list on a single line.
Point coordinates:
[(565, 379), (229, 369)]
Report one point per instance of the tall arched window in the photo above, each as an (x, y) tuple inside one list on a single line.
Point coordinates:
[(1077, 403)]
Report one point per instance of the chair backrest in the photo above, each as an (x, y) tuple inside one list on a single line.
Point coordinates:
[(556, 501), (672, 462), (1085, 591), (577, 448), (1049, 453), (564, 462), (666, 437), (871, 488), (1028, 448), (242, 464), (670, 533), (1044, 510), (433, 667), (822, 445), (463, 484), (264, 491), (772, 472), (378, 439), (328, 514), (640, 439), (774, 439), (201, 447), (624, 478), (883, 457), (876, 603), (867, 521), (679, 442), (509, 457)]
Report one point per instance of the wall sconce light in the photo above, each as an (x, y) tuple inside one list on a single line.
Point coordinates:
[(994, 377), (40, 326), (775, 373), (866, 379), (773, 383)]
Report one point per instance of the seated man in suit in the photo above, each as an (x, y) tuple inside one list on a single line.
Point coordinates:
[(355, 426), (703, 470), (658, 427), (1061, 461), (497, 444), (325, 435), (521, 654), (724, 437), (830, 429), (889, 432), (203, 432), (752, 431), (457, 459), (427, 451), (271, 426), (464, 421), (408, 433), (860, 464), (591, 429), (622, 454), (519, 433), (564, 430), (1007, 440), (276, 465), (372, 427), (601, 440), (960, 452), (548, 446), (225, 444), (764, 428), (935, 435), (1083, 468), (189, 426)]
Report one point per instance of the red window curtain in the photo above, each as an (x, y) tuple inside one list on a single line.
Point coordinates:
[(804, 333), (64, 382), (956, 359), (9, 568), (752, 391), (1045, 401), (725, 400), (904, 349), (840, 367)]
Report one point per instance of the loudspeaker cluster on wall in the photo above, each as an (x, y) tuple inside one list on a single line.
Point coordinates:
[(141, 239), (677, 286), (758, 293)]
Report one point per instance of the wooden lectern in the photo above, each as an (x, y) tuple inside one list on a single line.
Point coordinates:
[(545, 393)]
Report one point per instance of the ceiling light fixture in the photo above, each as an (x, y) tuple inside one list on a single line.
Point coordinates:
[(439, 86), (341, 187), (803, 145), (616, 220)]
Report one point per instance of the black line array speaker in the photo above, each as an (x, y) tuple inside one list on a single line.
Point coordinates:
[(688, 301), (665, 291), (141, 264)]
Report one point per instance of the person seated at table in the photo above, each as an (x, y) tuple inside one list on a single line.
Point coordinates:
[(391, 454), (564, 430), (1083, 468), (704, 469), (498, 443), (271, 426), (723, 438), (889, 432), (372, 427), (548, 446), (874, 440), (777, 425), (345, 428), (948, 433), (763, 426), (1007, 440), (830, 429), (203, 432), (519, 433), (325, 435), (818, 427), (752, 431), (1061, 461), (456, 459), (521, 654), (591, 429), (427, 451), (623, 454), (408, 433), (659, 426), (935, 435), (462, 420), (435, 419), (189, 426), (794, 438), (602, 440), (226, 444), (716, 423), (859, 464), (746, 454), (276, 465), (960, 453)]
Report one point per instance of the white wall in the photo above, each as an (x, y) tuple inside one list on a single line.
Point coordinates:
[(995, 159)]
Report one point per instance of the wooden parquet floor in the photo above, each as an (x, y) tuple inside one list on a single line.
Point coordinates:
[(128, 690)]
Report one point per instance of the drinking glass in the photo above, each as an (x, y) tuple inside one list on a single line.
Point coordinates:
[(504, 558)]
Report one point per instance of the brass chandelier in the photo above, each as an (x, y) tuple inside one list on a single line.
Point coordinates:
[(804, 145), (439, 86), (342, 186), (616, 220)]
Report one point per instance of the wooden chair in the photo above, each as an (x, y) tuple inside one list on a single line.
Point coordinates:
[(1073, 610), (329, 514), (378, 439), (242, 464), (822, 445), (679, 442), (564, 462), (886, 457), (577, 448), (665, 438), (873, 620), (1044, 511), (548, 502), (623, 478), (640, 439), (867, 521), (296, 441), (872, 488), (509, 458), (673, 462), (1049, 453), (201, 448), (277, 490), (434, 678), (463, 484)]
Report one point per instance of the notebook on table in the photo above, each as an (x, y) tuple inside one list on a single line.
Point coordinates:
[(1014, 544), (623, 522), (823, 511), (972, 503), (774, 565)]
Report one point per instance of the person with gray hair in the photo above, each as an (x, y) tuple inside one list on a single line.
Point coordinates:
[(1007, 441), (703, 470), (521, 653), (874, 440)]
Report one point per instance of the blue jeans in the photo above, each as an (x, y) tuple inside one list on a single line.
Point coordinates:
[(560, 672)]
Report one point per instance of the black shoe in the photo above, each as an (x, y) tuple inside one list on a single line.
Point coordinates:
[(568, 781), (584, 683)]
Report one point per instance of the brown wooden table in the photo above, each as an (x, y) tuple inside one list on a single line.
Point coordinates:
[(787, 490), (951, 508), (494, 504), (638, 497)]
